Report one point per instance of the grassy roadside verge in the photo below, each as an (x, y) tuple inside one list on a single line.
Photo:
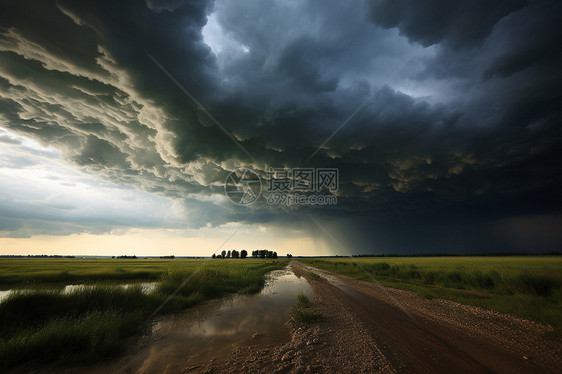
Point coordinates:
[(91, 323), (301, 312), (528, 287)]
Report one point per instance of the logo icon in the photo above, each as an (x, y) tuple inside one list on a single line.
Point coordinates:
[(242, 186)]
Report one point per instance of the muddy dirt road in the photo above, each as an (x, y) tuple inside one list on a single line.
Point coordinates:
[(366, 328), (369, 328)]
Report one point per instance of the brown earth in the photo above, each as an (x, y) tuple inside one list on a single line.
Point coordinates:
[(368, 328)]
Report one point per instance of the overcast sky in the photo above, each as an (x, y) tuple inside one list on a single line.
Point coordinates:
[(451, 110)]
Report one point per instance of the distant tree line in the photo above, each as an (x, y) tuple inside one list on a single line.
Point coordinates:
[(477, 254), (231, 254), (37, 256), (262, 253)]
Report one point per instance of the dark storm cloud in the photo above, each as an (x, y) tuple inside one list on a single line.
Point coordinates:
[(454, 23), (465, 133)]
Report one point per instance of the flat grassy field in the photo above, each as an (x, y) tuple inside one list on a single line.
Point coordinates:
[(529, 287), (39, 323), (28, 271)]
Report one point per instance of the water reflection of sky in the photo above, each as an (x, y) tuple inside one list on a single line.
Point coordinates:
[(217, 328)]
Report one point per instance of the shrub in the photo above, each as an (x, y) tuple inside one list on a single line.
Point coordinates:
[(302, 301), (306, 316)]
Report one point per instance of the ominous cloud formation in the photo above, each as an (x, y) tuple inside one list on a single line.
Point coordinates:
[(456, 24), (458, 142)]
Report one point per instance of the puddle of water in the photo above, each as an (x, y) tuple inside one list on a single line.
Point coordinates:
[(217, 328), (146, 287)]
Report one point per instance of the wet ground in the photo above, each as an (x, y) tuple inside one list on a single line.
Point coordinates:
[(368, 328), (188, 341)]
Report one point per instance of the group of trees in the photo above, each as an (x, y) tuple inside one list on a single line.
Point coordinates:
[(263, 253), (232, 254)]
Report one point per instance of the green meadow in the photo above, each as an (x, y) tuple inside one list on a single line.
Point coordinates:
[(30, 271), (39, 323), (528, 287)]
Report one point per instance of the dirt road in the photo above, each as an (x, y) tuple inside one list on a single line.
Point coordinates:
[(370, 328)]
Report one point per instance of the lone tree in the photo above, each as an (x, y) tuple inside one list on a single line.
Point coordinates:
[(235, 253), (214, 256), (243, 254), (228, 254), (223, 253)]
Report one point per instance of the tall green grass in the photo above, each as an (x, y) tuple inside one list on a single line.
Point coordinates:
[(302, 301), (92, 322), (301, 311), (31, 271), (213, 281), (529, 287)]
